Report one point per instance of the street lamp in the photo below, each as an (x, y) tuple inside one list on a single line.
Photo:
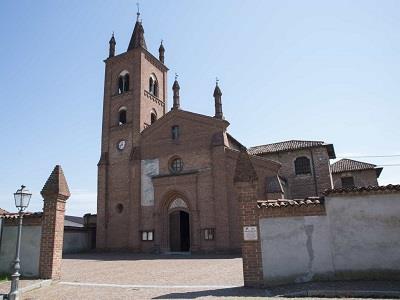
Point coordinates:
[(22, 198)]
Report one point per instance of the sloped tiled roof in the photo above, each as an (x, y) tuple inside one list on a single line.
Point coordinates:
[(2, 211), (346, 165), (290, 146), (285, 202), (368, 189)]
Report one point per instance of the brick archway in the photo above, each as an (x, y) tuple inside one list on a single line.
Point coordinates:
[(172, 203)]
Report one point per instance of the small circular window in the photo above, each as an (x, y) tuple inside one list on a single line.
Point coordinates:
[(119, 208), (176, 165)]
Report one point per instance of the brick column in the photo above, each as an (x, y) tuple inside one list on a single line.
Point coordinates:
[(55, 193), (245, 182)]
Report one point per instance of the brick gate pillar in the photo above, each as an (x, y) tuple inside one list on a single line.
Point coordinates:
[(245, 182), (55, 193)]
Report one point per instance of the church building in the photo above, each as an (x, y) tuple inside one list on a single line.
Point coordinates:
[(165, 175)]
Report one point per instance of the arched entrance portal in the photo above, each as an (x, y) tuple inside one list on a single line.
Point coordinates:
[(179, 226), (179, 231)]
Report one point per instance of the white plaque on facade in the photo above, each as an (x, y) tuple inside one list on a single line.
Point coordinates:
[(150, 167), (250, 233)]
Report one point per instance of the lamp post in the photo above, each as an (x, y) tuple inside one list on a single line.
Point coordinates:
[(22, 198)]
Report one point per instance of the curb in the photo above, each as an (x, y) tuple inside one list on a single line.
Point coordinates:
[(29, 288), (343, 293), (35, 286)]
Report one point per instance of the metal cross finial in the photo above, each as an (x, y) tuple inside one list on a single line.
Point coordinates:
[(138, 11), (216, 80), (176, 76)]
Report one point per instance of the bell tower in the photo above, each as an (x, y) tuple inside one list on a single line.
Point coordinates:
[(135, 96)]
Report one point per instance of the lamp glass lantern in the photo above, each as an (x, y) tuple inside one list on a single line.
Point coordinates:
[(22, 197)]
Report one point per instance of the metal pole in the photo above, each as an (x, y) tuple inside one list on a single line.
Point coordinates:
[(14, 294)]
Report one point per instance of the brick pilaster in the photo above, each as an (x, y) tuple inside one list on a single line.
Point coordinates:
[(55, 193), (245, 181)]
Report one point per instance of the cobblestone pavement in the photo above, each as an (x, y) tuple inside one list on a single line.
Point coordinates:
[(132, 276)]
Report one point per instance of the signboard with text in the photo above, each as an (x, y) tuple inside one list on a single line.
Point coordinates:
[(250, 233)]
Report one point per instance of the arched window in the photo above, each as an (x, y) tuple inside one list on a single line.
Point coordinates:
[(302, 165), (153, 85), (123, 82), (122, 116), (153, 116)]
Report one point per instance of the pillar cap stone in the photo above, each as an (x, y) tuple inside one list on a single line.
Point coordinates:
[(56, 184)]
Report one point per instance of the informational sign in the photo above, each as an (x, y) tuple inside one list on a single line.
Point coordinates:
[(250, 233)]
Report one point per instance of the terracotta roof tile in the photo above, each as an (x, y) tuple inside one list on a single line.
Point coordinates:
[(289, 146), (368, 189), (26, 214), (285, 202), (2, 211), (346, 165)]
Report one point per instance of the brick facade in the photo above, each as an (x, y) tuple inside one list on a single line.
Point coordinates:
[(304, 185), (205, 184)]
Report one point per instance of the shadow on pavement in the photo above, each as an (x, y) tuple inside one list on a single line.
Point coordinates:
[(114, 256), (226, 292)]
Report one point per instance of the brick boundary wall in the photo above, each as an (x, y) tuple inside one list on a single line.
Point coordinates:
[(55, 193), (250, 213)]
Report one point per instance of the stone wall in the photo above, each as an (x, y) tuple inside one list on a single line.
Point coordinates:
[(78, 239), (348, 236), (30, 246)]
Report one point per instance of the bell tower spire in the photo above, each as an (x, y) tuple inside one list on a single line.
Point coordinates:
[(176, 89), (112, 43), (161, 52), (218, 102), (137, 38)]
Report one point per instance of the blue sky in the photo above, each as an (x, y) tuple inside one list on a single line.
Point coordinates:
[(314, 70)]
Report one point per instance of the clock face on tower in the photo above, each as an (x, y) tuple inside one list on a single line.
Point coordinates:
[(121, 145)]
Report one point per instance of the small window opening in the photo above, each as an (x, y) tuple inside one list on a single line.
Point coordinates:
[(347, 182), (175, 132), (302, 165), (153, 117), (209, 234), (119, 208), (147, 235), (122, 117), (176, 165)]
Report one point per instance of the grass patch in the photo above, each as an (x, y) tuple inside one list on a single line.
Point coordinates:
[(4, 277)]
